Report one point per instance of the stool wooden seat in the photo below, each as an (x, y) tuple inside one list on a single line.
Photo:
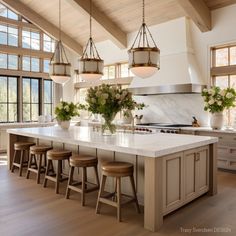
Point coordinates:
[(116, 170), (37, 153), (83, 162), (59, 156), (22, 147)]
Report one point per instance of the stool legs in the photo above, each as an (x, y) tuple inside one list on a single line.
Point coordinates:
[(96, 175), (70, 181), (58, 176), (101, 190), (39, 168), (29, 166), (72, 185), (134, 193), (49, 162), (21, 162), (118, 190), (14, 160), (34, 167), (117, 203), (84, 185)]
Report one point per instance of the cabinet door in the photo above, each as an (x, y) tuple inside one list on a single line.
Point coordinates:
[(202, 177), (190, 169), (172, 182)]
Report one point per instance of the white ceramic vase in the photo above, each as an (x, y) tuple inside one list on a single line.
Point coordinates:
[(217, 120), (65, 124)]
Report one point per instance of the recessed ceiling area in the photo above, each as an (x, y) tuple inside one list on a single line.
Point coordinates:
[(113, 19)]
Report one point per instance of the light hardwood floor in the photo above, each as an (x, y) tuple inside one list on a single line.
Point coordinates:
[(28, 209)]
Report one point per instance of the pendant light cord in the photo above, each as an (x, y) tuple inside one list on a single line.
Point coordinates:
[(90, 20), (59, 20), (90, 29), (143, 12)]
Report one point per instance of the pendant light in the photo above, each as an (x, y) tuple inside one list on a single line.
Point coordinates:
[(144, 55), (90, 64), (59, 66)]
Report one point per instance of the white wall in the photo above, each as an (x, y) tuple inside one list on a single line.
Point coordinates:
[(169, 37)]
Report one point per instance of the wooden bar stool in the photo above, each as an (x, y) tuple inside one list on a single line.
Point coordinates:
[(21, 147), (37, 153), (116, 170), (59, 156), (84, 162)]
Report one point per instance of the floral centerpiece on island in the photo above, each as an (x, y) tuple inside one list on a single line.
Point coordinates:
[(64, 111), (108, 100), (216, 101)]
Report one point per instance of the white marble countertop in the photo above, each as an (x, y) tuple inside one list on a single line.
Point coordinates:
[(24, 124), (151, 145)]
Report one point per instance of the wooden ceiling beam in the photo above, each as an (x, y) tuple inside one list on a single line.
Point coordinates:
[(198, 11), (43, 24), (114, 33)]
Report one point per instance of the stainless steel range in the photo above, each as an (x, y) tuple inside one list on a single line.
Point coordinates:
[(165, 127)]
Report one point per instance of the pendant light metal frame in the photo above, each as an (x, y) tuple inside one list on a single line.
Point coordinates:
[(142, 44), (90, 55), (59, 59)]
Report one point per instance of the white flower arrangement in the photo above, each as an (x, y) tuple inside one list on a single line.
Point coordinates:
[(217, 100)]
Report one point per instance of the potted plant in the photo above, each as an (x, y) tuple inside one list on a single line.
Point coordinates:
[(216, 101), (107, 101), (64, 111)]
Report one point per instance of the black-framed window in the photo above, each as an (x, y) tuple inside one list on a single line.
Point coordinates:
[(8, 99), (48, 96), (31, 99)]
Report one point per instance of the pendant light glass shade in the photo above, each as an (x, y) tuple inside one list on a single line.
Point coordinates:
[(59, 66), (90, 64), (144, 55)]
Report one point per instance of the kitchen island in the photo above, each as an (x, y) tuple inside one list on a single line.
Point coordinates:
[(170, 170)]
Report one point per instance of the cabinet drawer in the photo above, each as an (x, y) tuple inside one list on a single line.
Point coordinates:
[(226, 152), (224, 139), (222, 163)]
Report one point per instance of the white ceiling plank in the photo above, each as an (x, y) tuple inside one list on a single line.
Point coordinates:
[(114, 33)]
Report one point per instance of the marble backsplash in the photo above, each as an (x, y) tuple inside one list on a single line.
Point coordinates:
[(173, 108)]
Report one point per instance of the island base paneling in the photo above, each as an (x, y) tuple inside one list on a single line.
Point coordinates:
[(163, 183)]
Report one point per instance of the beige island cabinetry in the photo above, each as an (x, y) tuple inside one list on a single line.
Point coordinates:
[(226, 145), (170, 169), (185, 177)]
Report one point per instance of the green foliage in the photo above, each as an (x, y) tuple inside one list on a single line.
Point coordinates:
[(65, 111), (107, 100), (217, 100)]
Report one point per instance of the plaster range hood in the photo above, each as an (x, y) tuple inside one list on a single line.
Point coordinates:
[(179, 74)]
